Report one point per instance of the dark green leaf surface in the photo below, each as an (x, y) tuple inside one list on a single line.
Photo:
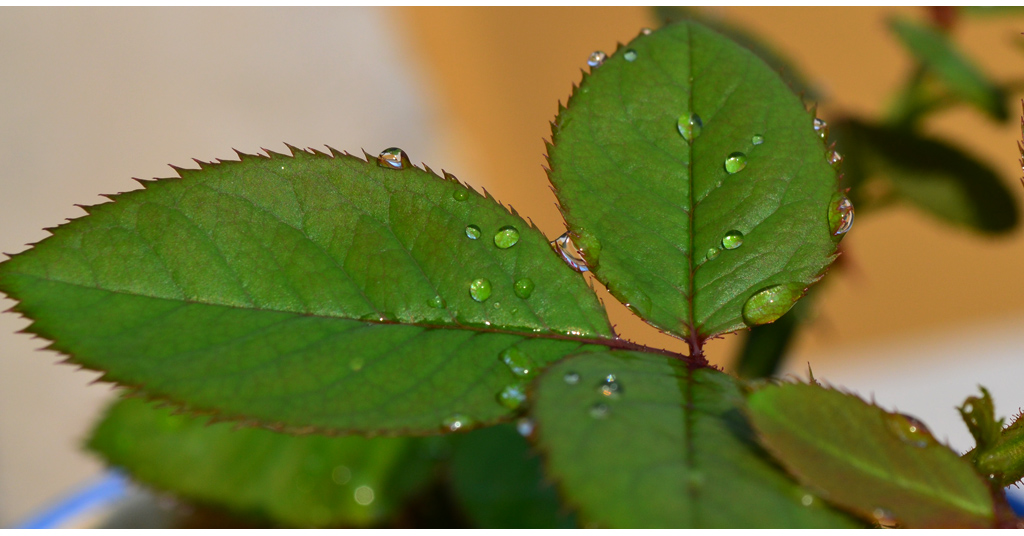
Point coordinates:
[(653, 204), (867, 460), (666, 448), (306, 291), (933, 175), (937, 53), (303, 481), (499, 483)]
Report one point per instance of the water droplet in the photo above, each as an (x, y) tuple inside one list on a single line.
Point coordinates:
[(473, 232), (840, 215), (341, 475), (807, 499), (596, 58), (460, 194), (884, 517), (646, 31), (356, 364), (571, 378), (732, 240), (609, 387), (524, 287), (525, 426), (497, 305), (512, 396), (599, 410), (393, 158), (735, 162), (909, 429), (629, 55), (569, 253), (821, 127), (519, 363), (480, 289), (757, 139), (363, 495), (437, 302), (713, 253), (768, 304), (456, 422), (690, 126), (506, 237), (834, 158)]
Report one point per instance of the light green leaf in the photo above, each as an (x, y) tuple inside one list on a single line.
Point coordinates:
[(941, 57), (879, 464), (653, 197), (301, 481), (660, 446), (307, 291)]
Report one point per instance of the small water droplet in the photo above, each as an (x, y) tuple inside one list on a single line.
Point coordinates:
[(768, 304), (363, 495), (732, 240), (456, 422), (609, 387), (341, 475), (571, 378), (480, 289), (460, 194), (596, 58), (713, 253), (757, 139), (472, 232), (437, 302), (599, 411), (909, 429), (356, 364), (629, 55), (690, 126), (512, 396), (834, 158), (497, 305), (519, 363), (821, 127), (884, 517), (393, 158), (840, 214), (807, 499), (506, 237), (569, 253), (735, 162), (645, 31), (524, 287), (525, 426)]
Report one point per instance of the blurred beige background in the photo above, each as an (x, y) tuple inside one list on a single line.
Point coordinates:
[(92, 97)]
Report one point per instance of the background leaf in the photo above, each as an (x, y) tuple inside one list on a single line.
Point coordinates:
[(870, 461), (663, 447), (304, 481), (307, 291), (651, 211)]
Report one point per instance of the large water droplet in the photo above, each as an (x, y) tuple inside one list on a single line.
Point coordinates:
[(599, 411), (512, 396), (821, 127), (571, 378), (629, 55), (519, 363), (569, 253), (690, 126), (460, 194), (480, 289), (472, 232), (713, 253), (909, 429), (393, 158), (610, 387), (525, 426), (437, 302), (840, 214), (596, 58), (732, 240), (524, 287), (735, 162), (757, 139), (363, 495), (456, 422), (506, 237), (768, 304)]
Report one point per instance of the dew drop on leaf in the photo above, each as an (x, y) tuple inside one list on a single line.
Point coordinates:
[(456, 422), (571, 378), (472, 232), (757, 139), (840, 215), (356, 364), (597, 58), (735, 162), (524, 287), (807, 499), (909, 429), (690, 126), (645, 31), (480, 289), (512, 396), (884, 517), (460, 194), (629, 55), (609, 387), (599, 410), (525, 426), (834, 158), (821, 127), (392, 158), (506, 237), (569, 253), (437, 302), (363, 495), (768, 304), (713, 253), (519, 363), (732, 240)]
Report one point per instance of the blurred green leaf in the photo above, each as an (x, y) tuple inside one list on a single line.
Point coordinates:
[(655, 196), (302, 481), (640, 441), (878, 464), (765, 346)]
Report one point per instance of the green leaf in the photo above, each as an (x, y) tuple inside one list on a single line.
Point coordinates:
[(499, 483), (303, 481), (999, 452), (940, 56), (661, 447), (878, 464), (933, 175), (307, 291), (653, 213), (765, 347)]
